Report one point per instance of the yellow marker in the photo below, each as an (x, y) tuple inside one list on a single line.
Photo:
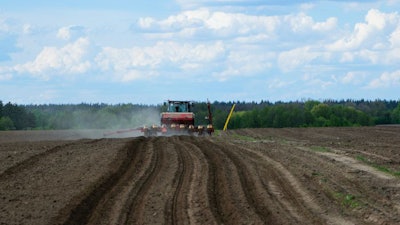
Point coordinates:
[(229, 117)]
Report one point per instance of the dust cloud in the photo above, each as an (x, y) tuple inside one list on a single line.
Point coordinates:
[(110, 122)]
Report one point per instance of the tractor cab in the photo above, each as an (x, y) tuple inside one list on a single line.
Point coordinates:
[(179, 106)]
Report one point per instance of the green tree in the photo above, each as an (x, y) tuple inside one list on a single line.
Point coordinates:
[(19, 116), (1, 109), (395, 115), (321, 110), (309, 105), (6, 123)]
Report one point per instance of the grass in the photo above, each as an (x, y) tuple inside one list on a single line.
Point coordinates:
[(243, 138), (320, 149), (378, 167), (347, 200)]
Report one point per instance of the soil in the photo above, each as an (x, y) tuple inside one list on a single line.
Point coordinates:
[(247, 176)]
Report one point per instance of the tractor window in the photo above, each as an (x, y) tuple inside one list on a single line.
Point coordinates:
[(178, 107), (172, 107), (183, 107)]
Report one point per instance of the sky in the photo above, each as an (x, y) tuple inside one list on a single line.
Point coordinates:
[(145, 52)]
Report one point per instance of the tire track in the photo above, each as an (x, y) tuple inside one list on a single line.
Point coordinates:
[(285, 191), (128, 195), (183, 176), (175, 175), (262, 176), (229, 180), (212, 192), (174, 218), (81, 212), (198, 203), (137, 203), (294, 187), (265, 191), (227, 193), (250, 184), (199, 180), (114, 206)]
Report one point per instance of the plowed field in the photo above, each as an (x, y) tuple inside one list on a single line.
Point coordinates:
[(249, 176)]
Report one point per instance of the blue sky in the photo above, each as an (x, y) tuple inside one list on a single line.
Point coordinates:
[(225, 50)]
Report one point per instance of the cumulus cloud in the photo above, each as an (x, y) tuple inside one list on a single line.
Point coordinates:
[(71, 32), (222, 44), (370, 34), (240, 63), (386, 79), (138, 62), (215, 23), (69, 59), (303, 23), (299, 57), (394, 38), (353, 77)]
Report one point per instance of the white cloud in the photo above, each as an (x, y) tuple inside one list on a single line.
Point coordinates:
[(299, 57), (301, 23), (127, 63), (329, 24), (347, 57), (215, 23), (133, 74), (394, 38), (64, 33), (369, 34), (241, 63), (387, 79), (316, 81), (353, 77), (219, 43), (70, 32), (146, 22), (69, 59)]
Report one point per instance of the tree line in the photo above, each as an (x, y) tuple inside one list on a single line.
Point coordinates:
[(14, 117), (262, 114), (319, 114)]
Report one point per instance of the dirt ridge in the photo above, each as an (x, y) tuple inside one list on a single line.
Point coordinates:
[(248, 176)]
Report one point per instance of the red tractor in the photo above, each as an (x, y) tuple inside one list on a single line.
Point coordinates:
[(179, 119)]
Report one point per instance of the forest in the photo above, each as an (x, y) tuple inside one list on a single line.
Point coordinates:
[(309, 113)]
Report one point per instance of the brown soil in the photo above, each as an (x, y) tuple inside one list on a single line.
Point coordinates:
[(248, 176)]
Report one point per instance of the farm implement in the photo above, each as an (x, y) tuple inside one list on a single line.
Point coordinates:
[(178, 119)]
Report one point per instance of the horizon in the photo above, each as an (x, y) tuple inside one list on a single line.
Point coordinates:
[(71, 52), (215, 101)]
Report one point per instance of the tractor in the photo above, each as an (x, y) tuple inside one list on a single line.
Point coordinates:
[(178, 119)]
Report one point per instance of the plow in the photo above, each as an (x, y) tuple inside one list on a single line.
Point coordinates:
[(177, 119)]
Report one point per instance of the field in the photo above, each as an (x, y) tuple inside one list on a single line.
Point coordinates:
[(248, 176)]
